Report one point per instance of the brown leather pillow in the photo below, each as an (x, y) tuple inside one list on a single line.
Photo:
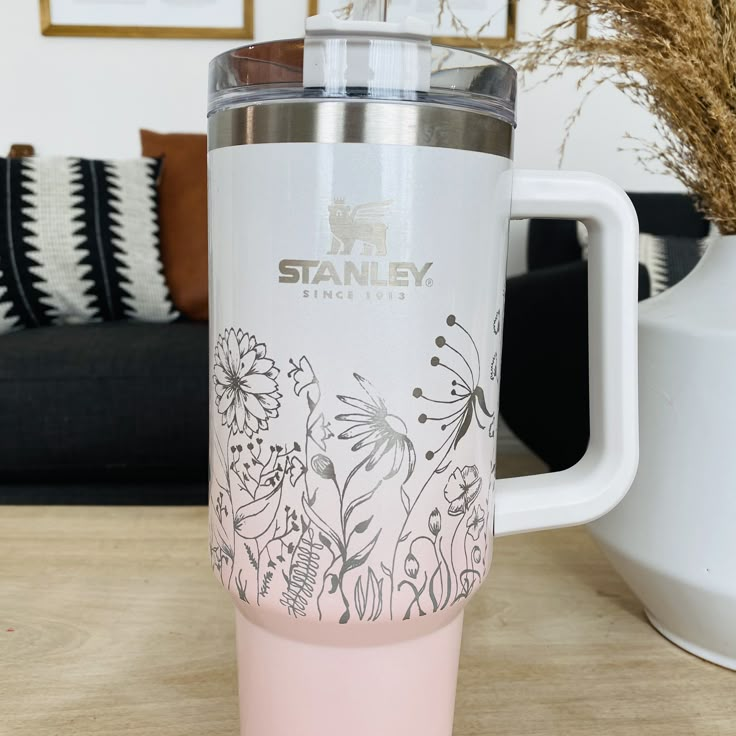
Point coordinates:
[(183, 216)]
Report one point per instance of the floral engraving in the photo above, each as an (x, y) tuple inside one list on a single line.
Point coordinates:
[(369, 596), (302, 576), (352, 516), (476, 523), (385, 434), (440, 568), (466, 403), (245, 383), (462, 489)]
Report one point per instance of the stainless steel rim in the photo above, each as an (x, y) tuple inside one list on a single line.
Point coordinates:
[(359, 121)]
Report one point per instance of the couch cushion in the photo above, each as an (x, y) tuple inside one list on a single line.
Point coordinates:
[(107, 492), (118, 401), (183, 212)]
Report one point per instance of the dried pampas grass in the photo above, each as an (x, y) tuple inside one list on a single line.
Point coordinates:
[(676, 58)]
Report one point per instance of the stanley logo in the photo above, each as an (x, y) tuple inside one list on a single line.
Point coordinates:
[(364, 223), (365, 226)]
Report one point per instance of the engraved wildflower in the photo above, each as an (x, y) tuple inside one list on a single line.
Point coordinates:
[(465, 403), (302, 374), (372, 426), (296, 469), (320, 431), (462, 489), (411, 566), (435, 522), (322, 465), (246, 392), (476, 523)]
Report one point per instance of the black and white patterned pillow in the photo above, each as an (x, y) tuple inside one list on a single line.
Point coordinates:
[(668, 259), (79, 242)]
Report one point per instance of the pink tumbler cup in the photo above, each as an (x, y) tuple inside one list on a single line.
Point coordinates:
[(361, 188)]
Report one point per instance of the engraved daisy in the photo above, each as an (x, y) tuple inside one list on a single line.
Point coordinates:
[(246, 392), (372, 426)]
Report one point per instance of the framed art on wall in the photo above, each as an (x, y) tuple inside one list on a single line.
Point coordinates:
[(467, 23), (148, 18)]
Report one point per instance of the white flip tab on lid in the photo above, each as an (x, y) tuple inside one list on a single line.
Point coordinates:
[(341, 54)]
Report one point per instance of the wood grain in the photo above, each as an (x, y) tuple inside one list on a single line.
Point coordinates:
[(111, 622)]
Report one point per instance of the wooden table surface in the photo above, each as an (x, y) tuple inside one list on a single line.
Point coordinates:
[(111, 623)]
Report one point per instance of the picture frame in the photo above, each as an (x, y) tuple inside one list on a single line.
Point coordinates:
[(239, 30), (505, 37)]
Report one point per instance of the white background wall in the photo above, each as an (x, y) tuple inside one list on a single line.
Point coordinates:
[(89, 97)]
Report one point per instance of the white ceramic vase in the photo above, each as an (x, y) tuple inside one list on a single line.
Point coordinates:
[(673, 538)]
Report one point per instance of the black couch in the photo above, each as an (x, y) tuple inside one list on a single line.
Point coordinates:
[(107, 413)]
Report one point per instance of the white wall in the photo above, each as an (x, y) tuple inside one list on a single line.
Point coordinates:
[(89, 97)]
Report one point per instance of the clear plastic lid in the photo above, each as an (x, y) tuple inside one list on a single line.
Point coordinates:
[(363, 63)]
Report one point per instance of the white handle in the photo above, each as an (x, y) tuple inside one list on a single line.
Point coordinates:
[(601, 479)]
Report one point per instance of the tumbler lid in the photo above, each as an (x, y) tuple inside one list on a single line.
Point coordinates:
[(405, 64), (363, 60)]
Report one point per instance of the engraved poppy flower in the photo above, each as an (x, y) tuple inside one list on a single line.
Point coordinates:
[(462, 489), (375, 428), (476, 523), (246, 392)]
